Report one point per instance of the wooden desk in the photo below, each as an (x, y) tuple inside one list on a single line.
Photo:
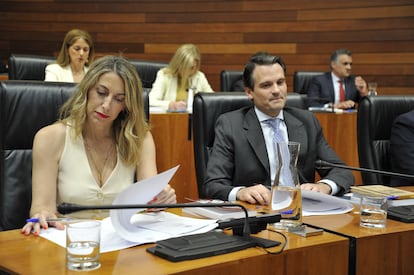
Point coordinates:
[(173, 146), (340, 131), (372, 251), (4, 77), (35, 255)]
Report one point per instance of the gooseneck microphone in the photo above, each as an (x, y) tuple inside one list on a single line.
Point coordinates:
[(321, 164)]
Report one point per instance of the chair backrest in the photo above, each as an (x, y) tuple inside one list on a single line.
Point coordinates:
[(28, 67), (207, 107), (147, 70), (302, 80), (374, 121), (25, 107), (228, 78)]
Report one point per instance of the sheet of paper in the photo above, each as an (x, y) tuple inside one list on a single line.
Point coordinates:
[(315, 203), (139, 193)]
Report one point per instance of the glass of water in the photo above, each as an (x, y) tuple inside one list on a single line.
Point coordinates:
[(83, 245), (373, 211)]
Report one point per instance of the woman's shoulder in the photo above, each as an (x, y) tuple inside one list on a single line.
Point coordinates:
[(54, 67), (53, 132)]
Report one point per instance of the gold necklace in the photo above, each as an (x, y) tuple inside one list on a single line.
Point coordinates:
[(99, 171)]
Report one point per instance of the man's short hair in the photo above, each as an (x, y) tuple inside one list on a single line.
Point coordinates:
[(260, 58)]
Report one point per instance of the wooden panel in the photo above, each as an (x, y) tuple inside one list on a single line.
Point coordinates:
[(379, 33)]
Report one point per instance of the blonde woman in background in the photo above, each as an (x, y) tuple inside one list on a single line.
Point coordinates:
[(75, 55), (170, 89)]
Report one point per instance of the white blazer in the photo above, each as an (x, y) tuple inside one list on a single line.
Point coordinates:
[(56, 73), (164, 89)]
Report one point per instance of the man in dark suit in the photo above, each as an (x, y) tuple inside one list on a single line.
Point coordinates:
[(325, 89), (402, 148), (241, 164)]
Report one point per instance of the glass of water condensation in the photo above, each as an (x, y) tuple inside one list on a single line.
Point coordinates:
[(286, 194), (373, 212), (83, 245)]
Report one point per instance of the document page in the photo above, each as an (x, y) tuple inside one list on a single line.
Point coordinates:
[(315, 203)]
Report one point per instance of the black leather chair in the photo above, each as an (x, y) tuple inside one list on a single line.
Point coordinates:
[(28, 67), (302, 80), (207, 107), (147, 70), (228, 79), (25, 107), (375, 117)]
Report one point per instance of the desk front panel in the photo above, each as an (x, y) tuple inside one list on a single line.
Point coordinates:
[(377, 251), (35, 255)]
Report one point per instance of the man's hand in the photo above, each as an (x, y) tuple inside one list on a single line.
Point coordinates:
[(257, 194), (317, 187), (345, 104), (361, 86)]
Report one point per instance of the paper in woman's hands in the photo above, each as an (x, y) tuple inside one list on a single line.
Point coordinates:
[(139, 193)]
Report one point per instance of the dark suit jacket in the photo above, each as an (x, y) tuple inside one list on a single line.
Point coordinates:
[(321, 90), (402, 148), (239, 156)]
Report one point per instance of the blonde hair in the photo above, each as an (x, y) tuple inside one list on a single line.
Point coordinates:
[(130, 126), (182, 61), (70, 38)]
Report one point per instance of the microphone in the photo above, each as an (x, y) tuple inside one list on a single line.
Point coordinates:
[(258, 223), (321, 164)]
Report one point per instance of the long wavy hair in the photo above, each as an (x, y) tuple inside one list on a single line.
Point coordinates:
[(129, 127), (182, 61), (71, 37)]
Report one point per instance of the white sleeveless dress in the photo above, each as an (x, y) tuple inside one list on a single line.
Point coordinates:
[(76, 183)]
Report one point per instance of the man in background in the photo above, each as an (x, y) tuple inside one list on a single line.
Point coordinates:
[(337, 88)]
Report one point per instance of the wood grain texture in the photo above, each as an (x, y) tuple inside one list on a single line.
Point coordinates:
[(380, 33)]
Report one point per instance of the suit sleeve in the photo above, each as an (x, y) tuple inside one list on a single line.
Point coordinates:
[(314, 93), (402, 148), (220, 166)]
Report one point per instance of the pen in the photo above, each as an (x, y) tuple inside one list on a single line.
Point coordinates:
[(35, 220), (287, 212), (402, 197)]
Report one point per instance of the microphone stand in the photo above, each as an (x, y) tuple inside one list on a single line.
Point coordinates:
[(321, 164), (67, 208)]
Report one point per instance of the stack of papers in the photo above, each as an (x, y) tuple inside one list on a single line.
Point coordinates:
[(219, 213), (125, 228), (315, 204)]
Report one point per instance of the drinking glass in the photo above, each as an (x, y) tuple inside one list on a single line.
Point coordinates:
[(372, 88), (373, 211), (83, 245)]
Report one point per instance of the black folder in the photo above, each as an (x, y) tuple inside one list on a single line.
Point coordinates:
[(403, 213)]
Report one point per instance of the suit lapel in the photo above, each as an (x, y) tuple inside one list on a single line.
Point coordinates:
[(295, 130), (255, 137)]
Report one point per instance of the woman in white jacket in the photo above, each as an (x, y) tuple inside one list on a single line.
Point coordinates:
[(171, 87)]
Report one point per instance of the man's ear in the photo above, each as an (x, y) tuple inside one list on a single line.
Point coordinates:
[(248, 92)]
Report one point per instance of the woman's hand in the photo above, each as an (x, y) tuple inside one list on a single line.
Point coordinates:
[(177, 105), (166, 196), (34, 227)]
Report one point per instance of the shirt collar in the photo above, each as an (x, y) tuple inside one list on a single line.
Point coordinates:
[(262, 116)]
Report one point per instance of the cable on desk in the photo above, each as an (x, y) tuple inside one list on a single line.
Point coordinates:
[(283, 244)]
